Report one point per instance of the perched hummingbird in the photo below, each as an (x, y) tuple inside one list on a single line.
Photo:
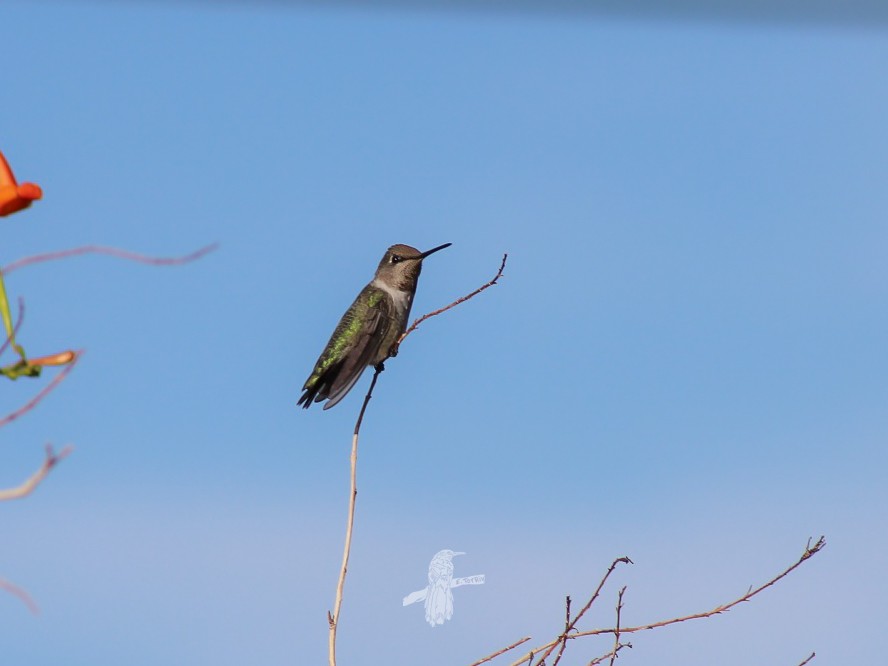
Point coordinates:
[(368, 330)]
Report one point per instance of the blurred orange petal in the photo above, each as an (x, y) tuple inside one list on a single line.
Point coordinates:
[(14, 197)]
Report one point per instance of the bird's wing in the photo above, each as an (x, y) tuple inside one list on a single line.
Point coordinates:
[(353, 345), (374, 330)]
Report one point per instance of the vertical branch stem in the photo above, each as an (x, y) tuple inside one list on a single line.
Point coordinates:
[(617, 626), (333, 618)]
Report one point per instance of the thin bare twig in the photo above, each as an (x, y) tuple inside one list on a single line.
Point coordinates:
[(46, 390), (333, 618), (609, 655), (610, 570), (810, 657), (25, 489), (23, 596), (617, 627), (566, 629), (499, 652), (112, 251), (549, 647), (417, 322)]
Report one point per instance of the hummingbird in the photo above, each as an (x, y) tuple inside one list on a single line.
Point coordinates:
[(369, 330)]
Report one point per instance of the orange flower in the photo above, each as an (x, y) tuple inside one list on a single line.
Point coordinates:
[(15, 197)]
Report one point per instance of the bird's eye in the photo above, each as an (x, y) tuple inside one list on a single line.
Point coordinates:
[(396, 258)]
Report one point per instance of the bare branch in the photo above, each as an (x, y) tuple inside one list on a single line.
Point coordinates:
[(333, 617), (28, 486), (566, 630), (417, 322), (810, 551), (610, 655), (550, 646), (500, 652), (33, 402), (617, 627), (112, 251), (810, 657), (15, 590)]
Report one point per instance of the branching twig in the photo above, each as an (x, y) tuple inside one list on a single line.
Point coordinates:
[(15, 590), (46, 390), (333, 617), (617, 626), (549, 647), (809, 552), (51, 460), (113, 251), (417, 322), (609, 655), (566, 629)]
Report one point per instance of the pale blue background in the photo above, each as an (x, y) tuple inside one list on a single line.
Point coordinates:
[(685, 362)]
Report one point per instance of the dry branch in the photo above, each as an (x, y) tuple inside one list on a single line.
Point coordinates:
[(562, 639), (112, 251), (810, 551), (617, 627), (333, 617), (434, 313), (499, 652), (16, 591), (25, 489), (45, 391)]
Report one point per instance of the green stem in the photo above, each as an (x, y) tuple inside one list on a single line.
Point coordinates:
[(7, 320)]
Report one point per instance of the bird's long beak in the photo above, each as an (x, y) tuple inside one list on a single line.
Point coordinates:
[(433, 250)]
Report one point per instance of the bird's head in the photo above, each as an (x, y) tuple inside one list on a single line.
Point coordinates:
[(401, 265)]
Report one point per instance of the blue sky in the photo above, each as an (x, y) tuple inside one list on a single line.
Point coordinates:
[(684, 362)]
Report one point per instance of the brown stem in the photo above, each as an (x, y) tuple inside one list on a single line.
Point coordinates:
[(617, 627), (26, 488), (113, 251), (22, 594), (33, 402), (487, 285), (563, 638), (809, 552), (333, 618), (499, 652)]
